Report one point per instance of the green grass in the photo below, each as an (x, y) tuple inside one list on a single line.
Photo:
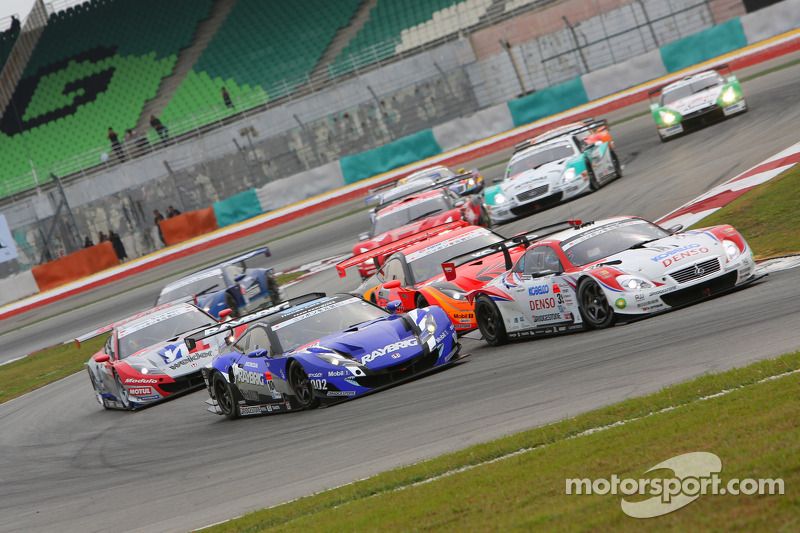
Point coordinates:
[(755, 430), (767, 216), (45, 366), (288, 277)]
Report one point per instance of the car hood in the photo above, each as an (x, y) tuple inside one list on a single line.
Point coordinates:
[(664, 256), (696, 101), (547, 174), (377, 345), (173, 357)]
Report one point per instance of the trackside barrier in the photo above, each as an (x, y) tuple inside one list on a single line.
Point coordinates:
[(548, 102), (17, 286), (188, 225), (403, 151), (772, 48), (237, 208), (75, 266), (704, 45)]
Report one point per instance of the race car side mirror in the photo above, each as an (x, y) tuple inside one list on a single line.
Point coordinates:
[(393, 306), (394, 284), (675, 229), (225, 314), (267, 253), (363, 236), (258, 353), (102, 358)]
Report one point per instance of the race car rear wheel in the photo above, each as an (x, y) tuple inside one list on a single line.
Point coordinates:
[(302, 390), (490, 321), (122, 393), (593, 185), (227, 399), (230, 302), (594, 306), (484, 219), (616, 163)]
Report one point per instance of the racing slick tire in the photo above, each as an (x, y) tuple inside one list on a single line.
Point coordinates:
[(122, 395), (484, 219), (617, 165), (227, 398), (302, 390), (97, 393), (593, 185), (490, 321), (230, 302), (594, 307)]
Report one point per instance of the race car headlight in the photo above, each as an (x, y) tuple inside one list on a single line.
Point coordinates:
[(729, 95), (500, 198), (428, 324), (145, 369), (333, 358), (471, 182), (633, 283), (668, 118), (454, 294), (731, 250)]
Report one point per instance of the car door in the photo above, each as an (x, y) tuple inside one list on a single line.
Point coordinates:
[(251, 372), (546, 298), (395, 284)]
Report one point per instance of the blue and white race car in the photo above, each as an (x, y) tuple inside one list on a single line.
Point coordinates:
[(320, 349), (227, 285)]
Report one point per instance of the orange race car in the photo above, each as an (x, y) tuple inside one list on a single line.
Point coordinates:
[(412, 272)]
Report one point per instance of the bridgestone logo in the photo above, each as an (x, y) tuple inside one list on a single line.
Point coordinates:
[(389, 348)]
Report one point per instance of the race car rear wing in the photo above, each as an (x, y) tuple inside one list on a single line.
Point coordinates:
[(107, 328), (443, 184), (587, 126), (228, 327), (387, 249), (264, 250), (524, 239)]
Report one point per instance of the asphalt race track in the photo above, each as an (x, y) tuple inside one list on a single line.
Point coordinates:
[(68, 465)]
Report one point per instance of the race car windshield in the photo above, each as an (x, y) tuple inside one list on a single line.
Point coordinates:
[(436, 175), (673, 95), (538, 158), (416, 211), (610, 239), (160, 331), (429, 265), (294, 333), (190, 289)]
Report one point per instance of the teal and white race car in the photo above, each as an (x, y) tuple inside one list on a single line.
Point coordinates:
[(695, 101), (556, 166)]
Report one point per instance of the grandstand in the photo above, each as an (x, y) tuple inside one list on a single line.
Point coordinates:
[(99, 63)]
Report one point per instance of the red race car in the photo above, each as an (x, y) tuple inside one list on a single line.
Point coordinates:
[(145, 358), (416, 212), (413, 274)]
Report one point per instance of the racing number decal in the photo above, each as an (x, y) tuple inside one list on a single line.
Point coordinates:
[(319, 384)]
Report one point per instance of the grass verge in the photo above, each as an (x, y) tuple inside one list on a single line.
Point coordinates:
[(753, 428), (288, 277), (45, 366), (767, 215)]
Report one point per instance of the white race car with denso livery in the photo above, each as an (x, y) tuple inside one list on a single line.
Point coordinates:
[(596, 273), (556, 166), (145, 358)]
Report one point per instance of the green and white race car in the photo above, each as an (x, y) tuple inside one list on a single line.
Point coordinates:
[(696, 101), (556, 166)]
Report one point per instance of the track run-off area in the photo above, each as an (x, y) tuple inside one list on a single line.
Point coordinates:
[(69, 465)]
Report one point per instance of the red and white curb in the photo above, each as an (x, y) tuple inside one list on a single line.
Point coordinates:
[(721, 195)]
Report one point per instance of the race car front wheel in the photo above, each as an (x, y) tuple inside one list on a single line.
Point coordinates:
[(593, 184), (301, 386), (97, 394), (594, 307), (490, 321), (122, 393), (226, 398), (616, 163)]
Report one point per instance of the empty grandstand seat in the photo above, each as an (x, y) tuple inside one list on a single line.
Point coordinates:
[(95, 65), (258, 53)]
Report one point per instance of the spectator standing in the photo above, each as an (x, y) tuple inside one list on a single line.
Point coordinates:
[(226, 97), (15, 25), (172, 212), (160, 128), (87, 242), (158, 217), (119, 247), (115, 144)]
